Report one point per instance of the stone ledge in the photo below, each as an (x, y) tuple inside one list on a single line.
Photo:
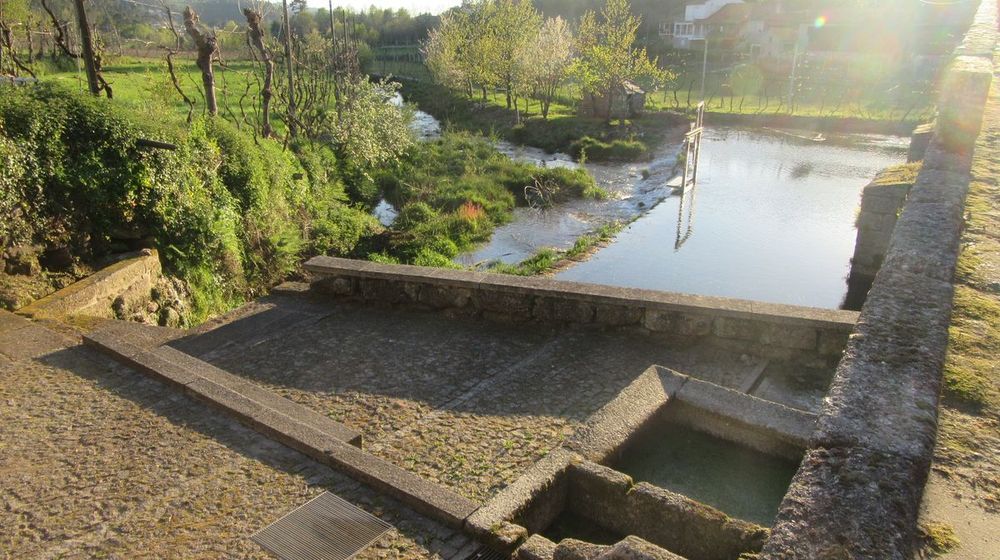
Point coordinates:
[(94, 294), (534, 500), (131, 343), (740, 417), (761, 328), (857, 492), (9, 322), (627, 297), (849, 503), (422, 495), (608, 429), (884, 394), (670, 520)]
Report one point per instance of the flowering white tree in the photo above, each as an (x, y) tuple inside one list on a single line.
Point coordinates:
[(371, 131), (548, 59)]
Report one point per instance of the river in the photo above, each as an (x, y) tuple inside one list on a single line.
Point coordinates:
[(771, 219)]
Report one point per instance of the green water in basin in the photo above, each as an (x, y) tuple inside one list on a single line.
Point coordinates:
[(741, 482)]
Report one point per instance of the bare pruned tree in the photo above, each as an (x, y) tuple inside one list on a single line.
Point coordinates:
[(207, 45), (255, 39)]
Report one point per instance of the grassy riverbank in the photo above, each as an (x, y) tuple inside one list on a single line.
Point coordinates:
[(231, 213), (563, 131), (452, 193), (549, 260)]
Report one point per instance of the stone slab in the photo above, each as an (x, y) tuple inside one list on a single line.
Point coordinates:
[(94, 294), (848, 503), (536, 547), (129, 343), (792, 425), (30, 342), (259, 394), (542, 488), (11, 322), (422, 495), (608, 429)]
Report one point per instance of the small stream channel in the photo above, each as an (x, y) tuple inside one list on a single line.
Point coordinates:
[(773, 216)]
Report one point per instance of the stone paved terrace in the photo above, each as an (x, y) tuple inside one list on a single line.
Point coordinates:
[(99, 461), (468, 403)]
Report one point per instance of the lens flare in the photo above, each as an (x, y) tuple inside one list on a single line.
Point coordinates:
[(820, 22)]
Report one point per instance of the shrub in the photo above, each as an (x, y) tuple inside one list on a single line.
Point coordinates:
[(616, 150), (231, 216)]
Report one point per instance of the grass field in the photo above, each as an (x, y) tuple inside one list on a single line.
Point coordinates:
[(144, 85)]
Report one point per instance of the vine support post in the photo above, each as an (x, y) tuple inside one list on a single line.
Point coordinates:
[(89, 61)]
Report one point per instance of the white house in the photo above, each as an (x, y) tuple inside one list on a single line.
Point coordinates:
[(699, 21)]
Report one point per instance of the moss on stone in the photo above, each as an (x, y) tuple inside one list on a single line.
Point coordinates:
[(974, 343), (937, 538), (902, 174)]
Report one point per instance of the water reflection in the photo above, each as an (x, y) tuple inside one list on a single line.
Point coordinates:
[(766, 230), (775, 215)]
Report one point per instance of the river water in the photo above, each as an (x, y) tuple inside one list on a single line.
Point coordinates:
[(771, 219)]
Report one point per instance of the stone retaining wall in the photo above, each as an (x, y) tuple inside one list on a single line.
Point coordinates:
[(131, 279), (797, 334), (857, 492), (881, 203), (675, 522)]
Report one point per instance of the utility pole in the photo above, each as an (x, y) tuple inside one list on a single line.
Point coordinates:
[(290, 66), (88, 48), (704, 68), (791, 78)]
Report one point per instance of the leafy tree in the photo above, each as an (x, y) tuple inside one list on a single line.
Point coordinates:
[(459, 52), (511, 27), (548, 60), (608, 56)]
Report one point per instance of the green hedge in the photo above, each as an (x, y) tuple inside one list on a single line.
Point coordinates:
[(231, 215)]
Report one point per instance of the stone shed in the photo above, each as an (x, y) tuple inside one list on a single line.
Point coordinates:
[(629, 101)]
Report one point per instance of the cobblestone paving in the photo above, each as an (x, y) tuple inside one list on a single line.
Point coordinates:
[(466, 403), (98, 461)]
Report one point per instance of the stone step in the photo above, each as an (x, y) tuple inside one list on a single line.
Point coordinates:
[(129, 343), (291, 424)]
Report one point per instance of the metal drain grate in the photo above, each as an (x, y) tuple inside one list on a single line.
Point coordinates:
[(324, 528), (487, 553)]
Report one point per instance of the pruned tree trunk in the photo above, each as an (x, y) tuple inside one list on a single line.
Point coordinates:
[(256, 38), (292, 129), (207, 44)]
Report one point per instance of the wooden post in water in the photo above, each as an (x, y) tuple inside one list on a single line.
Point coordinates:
[(689, 176)]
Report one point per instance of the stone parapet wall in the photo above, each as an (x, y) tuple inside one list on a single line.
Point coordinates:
[(857, 492), (798, 334)]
